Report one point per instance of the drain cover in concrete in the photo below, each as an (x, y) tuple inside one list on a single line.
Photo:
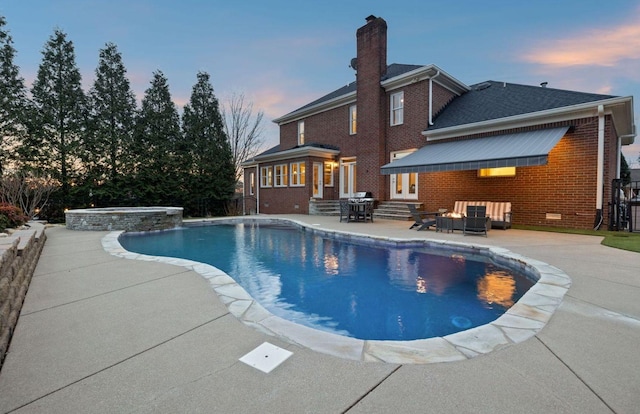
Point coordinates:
[(266, 357)]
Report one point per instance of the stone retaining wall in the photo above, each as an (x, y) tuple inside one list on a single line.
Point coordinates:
[(19, 254), (124, 218)]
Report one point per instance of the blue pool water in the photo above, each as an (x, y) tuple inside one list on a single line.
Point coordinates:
[(350, 288)]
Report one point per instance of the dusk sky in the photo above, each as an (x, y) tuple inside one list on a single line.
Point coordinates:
[(283, 54)]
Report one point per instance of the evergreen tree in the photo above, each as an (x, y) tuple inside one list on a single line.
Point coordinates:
[(107, 149), (156, 138), (13, 101), (625, 172), (211, 160), (59, 114)]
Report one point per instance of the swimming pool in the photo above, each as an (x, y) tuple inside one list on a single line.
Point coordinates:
[(518, 323), (355, 288)]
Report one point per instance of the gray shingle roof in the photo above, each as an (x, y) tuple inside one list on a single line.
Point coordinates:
[(279, 148), (484, 101), (397, 69), (493, 100), (393, 70)]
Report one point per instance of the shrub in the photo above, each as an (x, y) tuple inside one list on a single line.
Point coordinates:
[(11, 216), (4, 222)]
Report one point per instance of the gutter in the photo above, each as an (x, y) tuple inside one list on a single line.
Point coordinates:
[(298, 114), (629, 138)]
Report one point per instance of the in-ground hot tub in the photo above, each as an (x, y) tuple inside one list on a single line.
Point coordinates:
[(124, 218)]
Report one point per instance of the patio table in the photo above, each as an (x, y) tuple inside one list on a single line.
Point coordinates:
[(358, 209)]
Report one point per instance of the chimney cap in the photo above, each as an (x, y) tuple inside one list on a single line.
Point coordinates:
[(371, 17), (544, 84)]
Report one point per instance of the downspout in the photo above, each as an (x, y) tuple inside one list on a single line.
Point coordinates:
[(257, 188), (600, 169), (431, 96), (618, 157), (244, 192)]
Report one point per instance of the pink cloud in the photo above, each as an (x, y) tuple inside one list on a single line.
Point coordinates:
[(605, 89), (273, 101), (595, 47)]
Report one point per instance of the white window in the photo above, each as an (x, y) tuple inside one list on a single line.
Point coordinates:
[(281, 175), (352, 119), (328, 174), (297, 174), (316, 180), (403, 186), (397, 108), (300, 132), (252, 183), (266, 177), (347, 177)]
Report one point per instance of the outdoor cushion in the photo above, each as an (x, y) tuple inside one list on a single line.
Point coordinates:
[(498, 211)]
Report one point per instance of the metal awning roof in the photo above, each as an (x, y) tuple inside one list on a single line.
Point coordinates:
[(520, 149)]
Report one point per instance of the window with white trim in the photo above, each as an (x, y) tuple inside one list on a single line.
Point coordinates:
[(281, 175), (266, 177), (252, 183), (297, 174), (300, 132), (353, 113), (328, 173), (397, 108)]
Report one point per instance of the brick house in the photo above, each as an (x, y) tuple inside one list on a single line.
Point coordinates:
[(411, 133)]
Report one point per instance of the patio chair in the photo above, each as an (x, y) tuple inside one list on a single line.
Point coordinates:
[(420, 219), (344, 210), (367, 214), (475, 221)]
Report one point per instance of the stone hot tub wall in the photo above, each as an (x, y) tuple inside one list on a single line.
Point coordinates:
[(124, 218)]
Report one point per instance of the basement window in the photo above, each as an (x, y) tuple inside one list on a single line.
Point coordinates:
[(497, 172)]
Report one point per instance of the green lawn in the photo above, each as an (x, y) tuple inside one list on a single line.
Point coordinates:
[(616, 239)]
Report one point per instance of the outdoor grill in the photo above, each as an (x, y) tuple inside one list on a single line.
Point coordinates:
[(361, 197)]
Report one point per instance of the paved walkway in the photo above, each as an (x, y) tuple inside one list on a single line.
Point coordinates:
[(99, 333)]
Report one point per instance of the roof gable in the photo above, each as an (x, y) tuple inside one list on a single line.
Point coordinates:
[(394, 70)]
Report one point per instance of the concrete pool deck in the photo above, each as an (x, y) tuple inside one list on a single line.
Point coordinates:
[(99, 333)]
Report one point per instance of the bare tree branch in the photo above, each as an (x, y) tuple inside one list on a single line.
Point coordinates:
[(27, 190), (244, 130)]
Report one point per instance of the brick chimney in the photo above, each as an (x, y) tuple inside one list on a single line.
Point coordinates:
[(372, 46), (372, 106)]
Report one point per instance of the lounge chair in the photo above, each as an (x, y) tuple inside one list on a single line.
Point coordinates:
[(420, 218), (476, 220)]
